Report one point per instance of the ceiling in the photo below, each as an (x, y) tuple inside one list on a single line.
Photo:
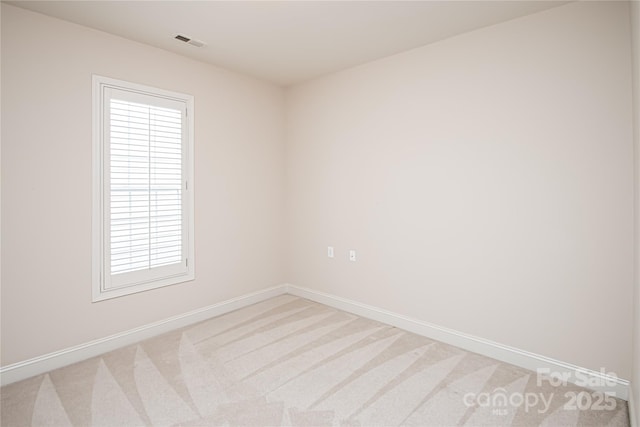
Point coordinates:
[(287, 42)]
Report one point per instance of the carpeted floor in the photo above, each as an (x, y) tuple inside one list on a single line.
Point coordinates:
[(289, 361)]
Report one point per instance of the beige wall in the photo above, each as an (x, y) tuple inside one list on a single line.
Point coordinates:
[(485, 182), (635, 379), (46, 183)]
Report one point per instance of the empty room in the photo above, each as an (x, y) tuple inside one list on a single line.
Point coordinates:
[(320, 213)]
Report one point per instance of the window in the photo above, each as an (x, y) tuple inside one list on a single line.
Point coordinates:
[(143, 188)]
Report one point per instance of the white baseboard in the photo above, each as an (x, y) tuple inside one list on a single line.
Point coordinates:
[(633, 414), (593, 380), (38, 365), (574, 374)]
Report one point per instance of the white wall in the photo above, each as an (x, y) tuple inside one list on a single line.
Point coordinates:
[(46, 183), (635, 379), (486, 182)]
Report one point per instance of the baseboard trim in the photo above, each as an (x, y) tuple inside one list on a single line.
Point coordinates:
[(588, 378), (38, 365), (597, 381)]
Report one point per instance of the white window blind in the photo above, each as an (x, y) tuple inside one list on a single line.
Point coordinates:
[(145, 204), (146, 186)]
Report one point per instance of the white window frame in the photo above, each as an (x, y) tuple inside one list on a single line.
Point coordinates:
[(103, 287)]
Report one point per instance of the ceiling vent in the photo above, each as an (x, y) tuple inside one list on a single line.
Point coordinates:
[(189, 40)]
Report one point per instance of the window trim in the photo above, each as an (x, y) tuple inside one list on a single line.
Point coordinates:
[(99, 239)]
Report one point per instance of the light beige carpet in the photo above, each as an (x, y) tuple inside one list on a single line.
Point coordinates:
[(289, 361)]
